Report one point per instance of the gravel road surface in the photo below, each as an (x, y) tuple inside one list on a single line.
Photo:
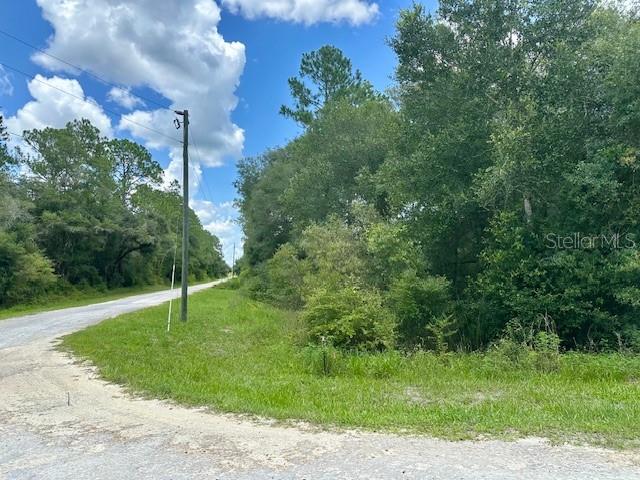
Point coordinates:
[(59, 421)]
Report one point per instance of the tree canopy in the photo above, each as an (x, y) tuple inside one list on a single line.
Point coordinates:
[(83, 211), (459, 206), (332, 78)]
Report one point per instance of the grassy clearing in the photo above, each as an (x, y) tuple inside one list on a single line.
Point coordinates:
[(237, 355)]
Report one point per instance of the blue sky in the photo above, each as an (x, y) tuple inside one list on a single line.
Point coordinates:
[(243, 51)]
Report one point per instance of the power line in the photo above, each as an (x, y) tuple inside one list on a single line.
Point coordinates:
[(15, 135), (33, 77), (97, 77)]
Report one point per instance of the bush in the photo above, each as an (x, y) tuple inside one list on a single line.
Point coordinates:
[(439, 332), (233, 283), (24, 276), (526, 347), (630, 340), (33, 278), (590, 293), (418, 303), (350, 318), (279, 281), (547, 351), (336, 255)]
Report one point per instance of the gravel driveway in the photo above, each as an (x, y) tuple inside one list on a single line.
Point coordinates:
[(58, 421)]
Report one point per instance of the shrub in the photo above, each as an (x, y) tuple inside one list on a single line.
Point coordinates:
[(350, 318), (232, 284), (527, 347), (24, 276), (439, 331), (33, 278), (285, 274), (547, 351), (279, 281), (254, 283), (418, 303), (630, 340), (590, 292), (336, 255), (389, 252)]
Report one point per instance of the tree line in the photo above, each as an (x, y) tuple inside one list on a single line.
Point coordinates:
[(80, 211), (445, 212)]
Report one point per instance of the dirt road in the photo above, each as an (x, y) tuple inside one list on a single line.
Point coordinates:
[(58, 421)]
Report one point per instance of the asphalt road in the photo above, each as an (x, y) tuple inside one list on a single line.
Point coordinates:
[(59, 421)]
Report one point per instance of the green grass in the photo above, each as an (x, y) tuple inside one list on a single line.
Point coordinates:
[(237, 355)]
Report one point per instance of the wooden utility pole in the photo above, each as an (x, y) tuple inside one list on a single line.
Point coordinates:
[(185, 213)]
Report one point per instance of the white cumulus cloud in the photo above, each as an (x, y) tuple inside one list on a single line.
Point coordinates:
[(308, 12), (52, 107), (221, 220), (124, 97), (173, 47)]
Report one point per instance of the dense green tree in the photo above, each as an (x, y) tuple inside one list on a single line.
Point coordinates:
[(336, 159), (331, 166), (74, 206), (266, 224), (349, 131), (132, 166), (510, 109), (332, 78), (90, 213), (515, 130), (24, 271)]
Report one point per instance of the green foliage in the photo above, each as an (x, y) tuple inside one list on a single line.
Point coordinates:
[(514, 126), (335, 162), (132, 165), (332, 78), (350, 318), (583, 291), (323, 359), (23, 274), (266, 224), (33, 276), (335, 253), (280, 280), (547, 348), (232, 284), (439, 332), (91, 215), (526, 346), (420, 304)]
